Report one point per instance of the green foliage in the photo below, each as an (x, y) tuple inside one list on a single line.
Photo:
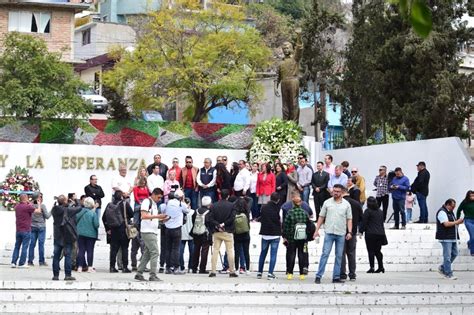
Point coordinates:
[(180, 128), (194, 143), (17, 179), (276, 138), (398, 81), (229, 129), (210, 58), (418, 13), (35, 83), (118, 107), (57, 131), (294, 8)]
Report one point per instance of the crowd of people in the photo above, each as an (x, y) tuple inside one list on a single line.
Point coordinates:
[(165, 210)]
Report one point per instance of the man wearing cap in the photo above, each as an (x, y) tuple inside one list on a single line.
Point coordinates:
[(421, 188)]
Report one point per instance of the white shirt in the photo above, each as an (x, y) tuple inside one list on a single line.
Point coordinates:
[(149, 225), (121, 183), (253, 182), (155, 181), (175, 210), (242, 180)]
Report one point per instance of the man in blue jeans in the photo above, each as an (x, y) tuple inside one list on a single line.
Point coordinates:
[(447, 234), (38, 233), (23, 213), (63, 236), (420, 187), (399, 186), (336, 214)]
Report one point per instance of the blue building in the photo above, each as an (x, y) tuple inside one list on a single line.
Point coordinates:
[(118, 11)]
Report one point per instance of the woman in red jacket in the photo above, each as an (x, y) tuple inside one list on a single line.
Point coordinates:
[(140, 193), (266, 185)]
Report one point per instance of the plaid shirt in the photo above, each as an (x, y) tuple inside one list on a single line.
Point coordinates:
[(296, 215), (381, 183)]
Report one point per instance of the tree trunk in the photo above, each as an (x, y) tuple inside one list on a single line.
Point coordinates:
[(199, 107)]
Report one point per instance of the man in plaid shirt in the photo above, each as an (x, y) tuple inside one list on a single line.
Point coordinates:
[(381, 184), (296, 215)]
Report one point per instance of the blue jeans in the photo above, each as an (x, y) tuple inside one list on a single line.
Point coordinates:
[(255, 210), (329, 239), (273, 245), (399, 210), (58, 248), (23, 241), (423, 208), (40, 235), (409, 212), (469, 223), (193, 195), (450, 252), (98, 212), (305, 194), (181, 253), (241, 258)]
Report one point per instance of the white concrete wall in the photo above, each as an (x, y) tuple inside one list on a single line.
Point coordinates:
[(450, 166)]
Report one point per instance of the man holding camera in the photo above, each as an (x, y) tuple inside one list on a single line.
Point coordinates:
[(174, 210)]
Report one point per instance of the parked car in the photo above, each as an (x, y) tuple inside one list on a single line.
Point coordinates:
[(99, 103)]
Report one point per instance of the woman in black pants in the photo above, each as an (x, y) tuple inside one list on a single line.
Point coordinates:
[(372, 225), (242, 241)]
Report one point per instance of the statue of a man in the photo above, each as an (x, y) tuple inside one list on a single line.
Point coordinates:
[(288, 77)]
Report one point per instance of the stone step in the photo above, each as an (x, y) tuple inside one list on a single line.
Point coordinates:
[(186, 309)]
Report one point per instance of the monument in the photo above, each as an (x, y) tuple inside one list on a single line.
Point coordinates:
[(288, 78)]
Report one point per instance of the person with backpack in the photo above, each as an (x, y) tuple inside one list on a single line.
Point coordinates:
[(242, 234), (202, 237), (295, 238), (270, 229), (222, 220), (149, 226), (87, 231), (187, 238), (64, 236), (115, 224), (336, 214)]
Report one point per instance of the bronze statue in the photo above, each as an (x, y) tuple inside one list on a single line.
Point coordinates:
[(288, 77)]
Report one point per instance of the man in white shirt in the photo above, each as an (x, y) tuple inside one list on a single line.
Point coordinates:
[(155, 180), (120, 182), (242, 181), (149, 233)]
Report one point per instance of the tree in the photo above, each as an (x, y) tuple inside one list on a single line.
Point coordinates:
[(294, 8), (35, 83), (321, 54), (210, 58)]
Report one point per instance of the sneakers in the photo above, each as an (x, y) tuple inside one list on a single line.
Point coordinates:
[(305, 271), (69, 278), (154, 278), (353, 278), (404, 227), (440, 270), (139, 277), (91, 270), (134, 268), (113, 270), (233, 275), (79, 269), (289, 276), (224, 270), (337, 281), (271, 276), (55, 278), (259, 276), (168, 271), (179, 272), (44, 264), (302, 277), (31, 264), (202, 272), (394, 228), (13, 265), (242, 271), (317, 280), (451, 277), (212, 275), (126, 270), (161, 270), (23, 266)]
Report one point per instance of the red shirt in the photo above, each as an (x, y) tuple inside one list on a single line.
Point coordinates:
[(266, 186), (23, 212), (189, 183), (140, 193), (177, 169)]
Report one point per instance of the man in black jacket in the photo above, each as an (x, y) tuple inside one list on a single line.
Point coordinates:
[(64, 236), (421, 188), (157, 162), (350, 245), (95, 192), (319, 182), (222, 219)]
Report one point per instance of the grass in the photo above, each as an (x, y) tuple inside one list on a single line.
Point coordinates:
[(57, 131)]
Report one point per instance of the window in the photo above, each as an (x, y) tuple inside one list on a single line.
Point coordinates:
[(29, 22), (86, 37)]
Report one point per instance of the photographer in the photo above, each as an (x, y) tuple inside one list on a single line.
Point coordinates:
[(171, 184), (38, 231), (174, 209)]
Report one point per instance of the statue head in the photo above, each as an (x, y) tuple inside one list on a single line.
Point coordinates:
[(287, 49)]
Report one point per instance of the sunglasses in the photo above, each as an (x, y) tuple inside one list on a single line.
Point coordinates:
[(189, 162), (224, 160), (353, 172), (381, 170)]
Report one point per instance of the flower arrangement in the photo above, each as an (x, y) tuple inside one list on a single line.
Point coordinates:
[(17, 179), (276, 138)]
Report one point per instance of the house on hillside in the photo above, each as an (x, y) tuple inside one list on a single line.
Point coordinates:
[(119, 11), (92, 42), (51, 20)]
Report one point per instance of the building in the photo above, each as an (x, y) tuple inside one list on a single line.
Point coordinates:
[(92, 43), (51, 20), (119, 11)]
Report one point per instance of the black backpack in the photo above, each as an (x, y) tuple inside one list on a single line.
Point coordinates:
[(68, 229), (113, 217)]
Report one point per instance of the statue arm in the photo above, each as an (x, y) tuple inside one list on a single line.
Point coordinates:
[(276, 83), (298, 48)]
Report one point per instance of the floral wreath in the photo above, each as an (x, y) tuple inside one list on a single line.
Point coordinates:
[(17, 181)]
